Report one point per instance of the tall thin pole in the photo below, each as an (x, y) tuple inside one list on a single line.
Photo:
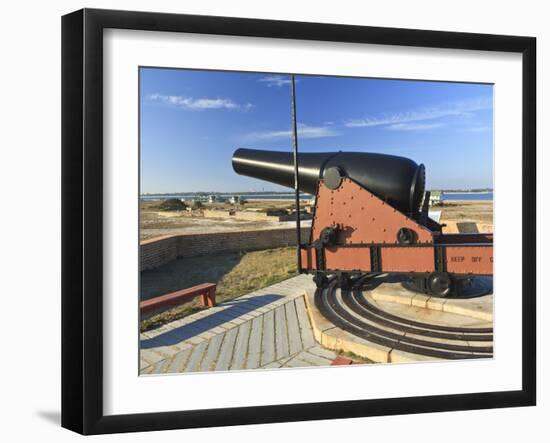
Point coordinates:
[(296, 178)]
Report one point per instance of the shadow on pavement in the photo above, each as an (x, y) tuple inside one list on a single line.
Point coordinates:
[(237, 308)]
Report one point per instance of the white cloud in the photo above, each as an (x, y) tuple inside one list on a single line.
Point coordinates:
[(276, 80), (304, 131), (461, 108), (198, 103), (414, 126), (478, 129)]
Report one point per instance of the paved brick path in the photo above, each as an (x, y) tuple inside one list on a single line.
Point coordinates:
[(269, 328)]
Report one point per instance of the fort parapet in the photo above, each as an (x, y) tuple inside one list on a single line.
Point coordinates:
[(253, 215)]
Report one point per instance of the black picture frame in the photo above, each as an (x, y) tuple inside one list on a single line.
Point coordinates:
[(82, 217)]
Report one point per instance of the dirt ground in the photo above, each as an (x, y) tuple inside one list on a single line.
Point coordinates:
[(155, 223)]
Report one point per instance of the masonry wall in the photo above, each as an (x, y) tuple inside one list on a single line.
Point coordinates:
[(253, 215), (240, 215), (156, 252)]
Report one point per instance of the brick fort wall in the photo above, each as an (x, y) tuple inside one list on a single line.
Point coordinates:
[(156, 252)]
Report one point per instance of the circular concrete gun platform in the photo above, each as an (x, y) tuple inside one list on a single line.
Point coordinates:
[(388, 323)]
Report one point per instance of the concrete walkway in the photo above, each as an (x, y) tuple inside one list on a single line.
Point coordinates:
[(269, 328)]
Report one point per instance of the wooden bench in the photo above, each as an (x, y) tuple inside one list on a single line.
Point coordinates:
[(206, 291)]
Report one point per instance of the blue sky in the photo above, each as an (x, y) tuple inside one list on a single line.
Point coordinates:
[(192, 122)]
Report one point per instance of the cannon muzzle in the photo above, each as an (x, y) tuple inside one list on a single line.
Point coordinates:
[(397, 180)]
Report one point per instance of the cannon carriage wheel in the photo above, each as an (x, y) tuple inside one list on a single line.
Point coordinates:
[(436, 284)]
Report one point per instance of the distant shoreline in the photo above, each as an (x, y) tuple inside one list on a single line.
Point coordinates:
[(445, 196), (285, 196), (267, 194), (466, 192)]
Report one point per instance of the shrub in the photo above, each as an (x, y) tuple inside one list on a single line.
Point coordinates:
[(172, 204), (276, 211)]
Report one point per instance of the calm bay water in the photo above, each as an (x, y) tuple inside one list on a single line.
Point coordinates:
[(446, 196), (468, 196)]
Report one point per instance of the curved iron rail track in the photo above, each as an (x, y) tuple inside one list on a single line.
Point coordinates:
[(361, 318)]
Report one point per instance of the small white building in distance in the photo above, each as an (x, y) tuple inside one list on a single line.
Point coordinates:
[(436, 198), (234, 199), (201, 198)]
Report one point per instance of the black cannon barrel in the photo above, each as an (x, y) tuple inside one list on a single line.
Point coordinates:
[(397, 180)]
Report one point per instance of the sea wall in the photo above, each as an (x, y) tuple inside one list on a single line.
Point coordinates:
[(253, 215)]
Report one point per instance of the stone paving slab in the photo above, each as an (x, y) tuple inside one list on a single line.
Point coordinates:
[(441, 318), (479, 308), (226, 351), (179, 360), (281, 333), (241, 346), (268, 339), (294, 337), (255, 344), (269, 328), (212, 352), (193, 365), (306, 333)]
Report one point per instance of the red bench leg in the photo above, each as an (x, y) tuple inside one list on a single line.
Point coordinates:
[(212, 297), (208, 299)]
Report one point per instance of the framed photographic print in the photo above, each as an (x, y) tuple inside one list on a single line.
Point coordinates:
[(254, 210)]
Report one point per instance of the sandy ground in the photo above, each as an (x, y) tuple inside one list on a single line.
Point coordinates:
[(469, 213), (156, 224), (462, 210), (152, 227)]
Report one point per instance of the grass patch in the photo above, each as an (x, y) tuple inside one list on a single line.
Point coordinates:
[(353, 356), (235, 275), (257, 270), (161, 318)]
